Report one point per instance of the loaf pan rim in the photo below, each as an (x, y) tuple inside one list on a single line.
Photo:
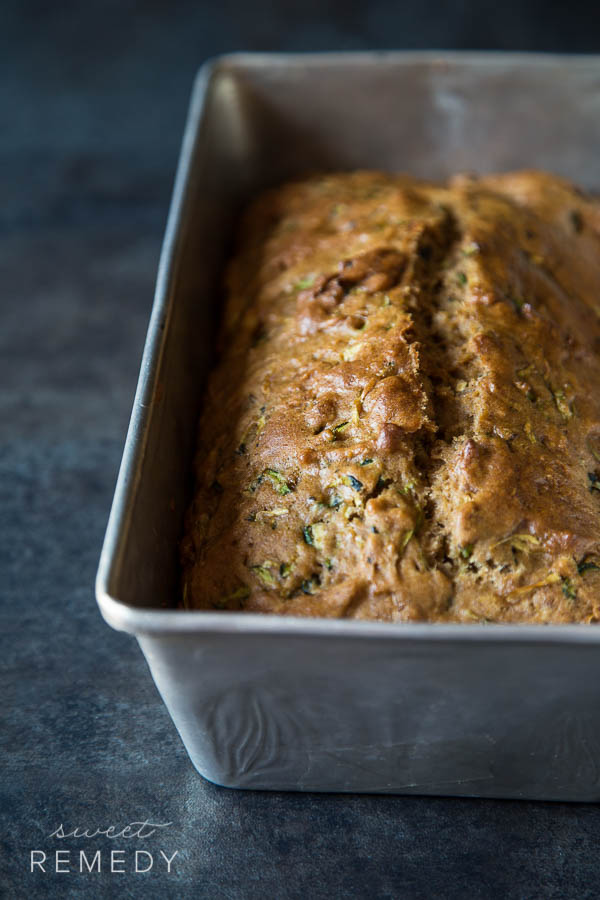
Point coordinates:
[(164, 621)]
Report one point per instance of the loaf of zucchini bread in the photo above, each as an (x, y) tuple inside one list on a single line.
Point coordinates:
[(404, 420)]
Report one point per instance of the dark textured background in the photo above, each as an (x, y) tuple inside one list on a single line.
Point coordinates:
[(92, 105)]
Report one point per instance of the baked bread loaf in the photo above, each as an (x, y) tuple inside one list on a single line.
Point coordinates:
[(404, 421)]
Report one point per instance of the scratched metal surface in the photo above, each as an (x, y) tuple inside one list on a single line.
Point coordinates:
[(86, 174)]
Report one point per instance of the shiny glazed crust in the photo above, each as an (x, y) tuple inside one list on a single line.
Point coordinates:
[(404, 421)]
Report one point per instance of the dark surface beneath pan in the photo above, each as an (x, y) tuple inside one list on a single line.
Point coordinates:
[(85, 737)]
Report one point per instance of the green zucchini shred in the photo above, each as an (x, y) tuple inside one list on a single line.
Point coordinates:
[(585, 566), (310, 585), (408, 535), (277, 480), (303, 283), (562, 405), (594, 481), (338, 429), (354, 483), (524, 542), (263, 573), (240, 594)]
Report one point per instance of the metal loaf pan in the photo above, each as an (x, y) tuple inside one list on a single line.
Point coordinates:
[(295, 704)]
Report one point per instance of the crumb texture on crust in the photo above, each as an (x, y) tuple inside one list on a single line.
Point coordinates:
[(404, 421)]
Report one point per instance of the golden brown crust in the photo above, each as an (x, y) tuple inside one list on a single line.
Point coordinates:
[(404, 423)]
